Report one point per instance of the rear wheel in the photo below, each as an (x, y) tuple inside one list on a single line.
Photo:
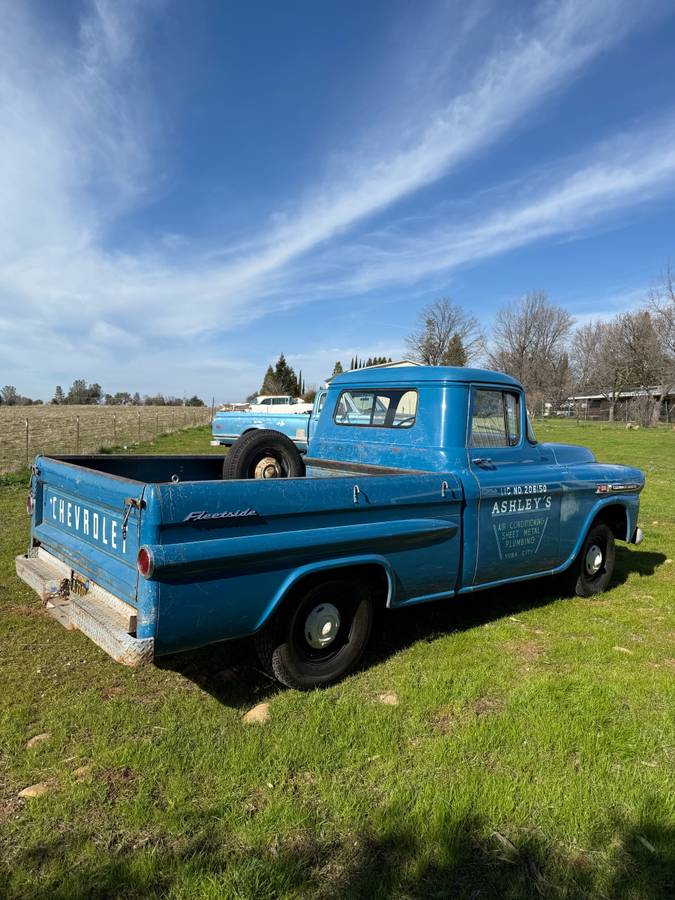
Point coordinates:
[(263, 454), (592, 570), (321, 638)]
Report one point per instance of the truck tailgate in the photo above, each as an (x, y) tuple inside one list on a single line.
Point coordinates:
[(91, 521)]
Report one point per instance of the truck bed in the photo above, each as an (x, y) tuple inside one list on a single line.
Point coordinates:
[(226, 553)]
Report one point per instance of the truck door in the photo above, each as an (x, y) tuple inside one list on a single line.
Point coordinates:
[(520, 487), (319, 401)]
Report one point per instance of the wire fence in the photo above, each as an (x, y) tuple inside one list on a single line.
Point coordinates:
[(27, 431), (627, 414)]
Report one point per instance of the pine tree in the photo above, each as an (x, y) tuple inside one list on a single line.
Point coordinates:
[(270, 384), (59, 396), (337, 369), (286, 377), (455, 354)]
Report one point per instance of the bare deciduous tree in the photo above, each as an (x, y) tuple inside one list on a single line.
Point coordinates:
[(9, 394), (444, 327), (599, 361), (662, 308), (530, 342), (648, 361)]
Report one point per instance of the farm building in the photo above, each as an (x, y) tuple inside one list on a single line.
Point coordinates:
[(627, 404)]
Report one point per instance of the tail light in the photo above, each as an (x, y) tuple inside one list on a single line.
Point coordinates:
[(145, 562), (30, 504)]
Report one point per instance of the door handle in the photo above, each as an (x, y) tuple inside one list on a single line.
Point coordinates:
[(482, 461)]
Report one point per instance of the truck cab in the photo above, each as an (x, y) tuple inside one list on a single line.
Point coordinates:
[(526, 495)]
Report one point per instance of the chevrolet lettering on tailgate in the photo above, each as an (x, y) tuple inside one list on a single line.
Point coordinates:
[(96, 526)]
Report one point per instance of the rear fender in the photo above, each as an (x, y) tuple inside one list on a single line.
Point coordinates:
[(325, 566)]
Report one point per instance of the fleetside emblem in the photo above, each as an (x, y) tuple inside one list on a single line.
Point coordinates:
[(203, 516)]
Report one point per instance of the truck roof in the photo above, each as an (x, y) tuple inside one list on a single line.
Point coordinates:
[(422, 374)]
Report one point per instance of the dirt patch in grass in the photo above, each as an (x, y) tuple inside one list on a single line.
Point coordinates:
[(119, 782), (27, 610), (112, 690), (447, 721), (8, 808), (486, 706), (527, 650)]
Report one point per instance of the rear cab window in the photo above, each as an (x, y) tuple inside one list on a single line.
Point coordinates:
[(380, 408), (496, 418)]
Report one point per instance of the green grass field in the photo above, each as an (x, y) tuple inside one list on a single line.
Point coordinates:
[(528, 748)]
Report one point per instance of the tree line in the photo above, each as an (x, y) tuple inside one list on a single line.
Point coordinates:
[(82, 394), (9, 396), (629, 357)]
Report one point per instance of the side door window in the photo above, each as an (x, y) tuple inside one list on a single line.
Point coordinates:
[(518, 516), (496, 419)]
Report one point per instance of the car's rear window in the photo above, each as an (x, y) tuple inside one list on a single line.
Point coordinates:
[(394, 408)]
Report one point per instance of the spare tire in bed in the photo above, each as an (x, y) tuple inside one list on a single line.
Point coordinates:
[(263, 454)]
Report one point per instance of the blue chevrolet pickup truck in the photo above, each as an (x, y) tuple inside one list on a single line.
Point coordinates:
[(420, 484)]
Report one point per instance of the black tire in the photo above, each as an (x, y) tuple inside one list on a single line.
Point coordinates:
[(248, 457), (582, 578), (283, 646)]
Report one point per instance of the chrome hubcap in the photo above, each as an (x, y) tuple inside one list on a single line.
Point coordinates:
[(322, 626), (268, 467), (593, 559)]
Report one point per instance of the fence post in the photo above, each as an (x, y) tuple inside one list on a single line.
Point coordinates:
[(156, 424), (172, 415), (27, 438), (139, 427), (77, 434), (114, 429)]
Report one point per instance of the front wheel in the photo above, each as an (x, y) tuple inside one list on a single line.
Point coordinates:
[(322, 638), (592, 570)]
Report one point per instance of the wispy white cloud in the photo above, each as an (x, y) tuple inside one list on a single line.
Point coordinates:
[(81, 147), (430, 140), (606, 305), (627, 172)]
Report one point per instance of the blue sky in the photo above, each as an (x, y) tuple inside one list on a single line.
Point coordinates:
[(188, 189)]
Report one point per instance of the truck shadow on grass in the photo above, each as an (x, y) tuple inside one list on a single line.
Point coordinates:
[(229, 671), (461, 856)]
